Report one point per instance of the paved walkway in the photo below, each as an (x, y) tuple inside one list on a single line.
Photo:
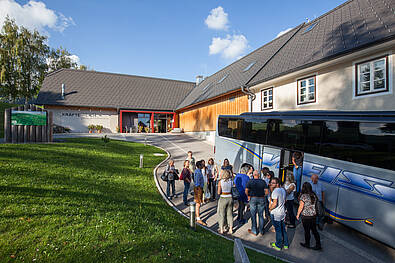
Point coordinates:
[(340, 244)]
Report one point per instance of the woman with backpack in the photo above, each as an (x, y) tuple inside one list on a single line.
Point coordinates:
[(307, 209), (171, 173)]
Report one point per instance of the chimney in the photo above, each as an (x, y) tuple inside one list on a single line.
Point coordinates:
[(62, 95), (199, 79)]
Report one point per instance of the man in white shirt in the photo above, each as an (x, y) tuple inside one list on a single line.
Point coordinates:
[(277, 209)]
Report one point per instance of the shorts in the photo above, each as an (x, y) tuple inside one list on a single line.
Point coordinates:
[(198, 194)]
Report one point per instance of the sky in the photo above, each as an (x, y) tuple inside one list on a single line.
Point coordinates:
[(171, 39)]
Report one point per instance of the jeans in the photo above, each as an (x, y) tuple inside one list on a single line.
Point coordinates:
[(212, 187), (186, 190), (289, 204), (309, 225), (171, 183), (240, 210), (257, 205), (298, 177), (225, 212), (281, 233)]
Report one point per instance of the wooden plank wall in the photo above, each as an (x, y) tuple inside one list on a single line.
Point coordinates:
[(203, 117)]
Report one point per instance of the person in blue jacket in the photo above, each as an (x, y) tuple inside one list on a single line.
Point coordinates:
[(240, 181)]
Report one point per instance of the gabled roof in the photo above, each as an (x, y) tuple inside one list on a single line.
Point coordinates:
[(236, 72), (349, 27), (354, 25), (109, 90)]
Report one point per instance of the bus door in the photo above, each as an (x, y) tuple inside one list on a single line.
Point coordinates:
[(271, 159), (286, 165)]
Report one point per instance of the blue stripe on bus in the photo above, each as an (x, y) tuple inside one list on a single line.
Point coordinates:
[(248, 150), (345, 218)]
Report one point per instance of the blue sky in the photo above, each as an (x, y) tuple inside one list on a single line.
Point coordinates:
[(168, 39)]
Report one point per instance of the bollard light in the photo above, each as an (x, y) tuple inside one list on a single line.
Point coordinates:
[(141, 160), (192, 209)]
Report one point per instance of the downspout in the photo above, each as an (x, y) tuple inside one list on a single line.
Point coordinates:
[(246, 90)]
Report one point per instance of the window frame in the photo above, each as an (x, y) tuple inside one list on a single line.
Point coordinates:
[(298, 81), (267, 108), (357, 79)]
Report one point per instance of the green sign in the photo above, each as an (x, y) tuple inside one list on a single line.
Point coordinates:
[(28, 117)]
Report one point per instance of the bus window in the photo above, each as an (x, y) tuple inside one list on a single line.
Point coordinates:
[(371, 144), (380, 139), (230, 127), (286, 134), (255, 130), (312, 136)]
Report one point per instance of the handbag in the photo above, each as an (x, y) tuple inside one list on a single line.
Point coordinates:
[(164, 176), (176, 177), (235, 193)]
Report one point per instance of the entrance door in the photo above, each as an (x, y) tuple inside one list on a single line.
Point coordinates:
[(286, 165)]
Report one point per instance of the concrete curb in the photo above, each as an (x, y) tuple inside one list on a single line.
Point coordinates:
[(186, 216)]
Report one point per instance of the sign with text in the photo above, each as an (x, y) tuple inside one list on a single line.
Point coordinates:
[(28, 118)]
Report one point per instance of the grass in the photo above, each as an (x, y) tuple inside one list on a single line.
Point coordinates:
[(86, 201), (4, 106)]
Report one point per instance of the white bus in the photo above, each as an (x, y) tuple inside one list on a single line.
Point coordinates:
[(352, 152)]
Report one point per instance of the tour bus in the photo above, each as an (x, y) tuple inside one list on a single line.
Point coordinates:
[(353, 153)]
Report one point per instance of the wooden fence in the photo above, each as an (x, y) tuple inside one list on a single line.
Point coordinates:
[(27, 133)]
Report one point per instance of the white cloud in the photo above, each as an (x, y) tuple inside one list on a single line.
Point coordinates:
[(34, 15), (230, 47), (284, 32), (217, 19)]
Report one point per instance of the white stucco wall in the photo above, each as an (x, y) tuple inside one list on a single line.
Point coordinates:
[(78, 121), (335, 88)]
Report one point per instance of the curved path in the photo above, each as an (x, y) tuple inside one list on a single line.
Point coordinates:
[(340, 244)]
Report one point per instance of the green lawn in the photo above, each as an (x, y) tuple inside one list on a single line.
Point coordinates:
[(4, 106), (83, 201)]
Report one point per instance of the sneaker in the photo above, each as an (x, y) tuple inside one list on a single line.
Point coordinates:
[(285, 247), (273, 245)]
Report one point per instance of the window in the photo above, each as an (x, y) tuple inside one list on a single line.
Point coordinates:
[(306, 90), (366, 143), (267, 99), (249, 66), (223, 78), (286, 134), (230, 127), (206, 87), (309, 28), (371, 76), (255, 130)]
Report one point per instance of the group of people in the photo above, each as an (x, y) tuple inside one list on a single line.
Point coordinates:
[(260, 192)]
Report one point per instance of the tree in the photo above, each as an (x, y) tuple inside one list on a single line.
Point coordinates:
[(23, 55), (9, 46), (60, 58)]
